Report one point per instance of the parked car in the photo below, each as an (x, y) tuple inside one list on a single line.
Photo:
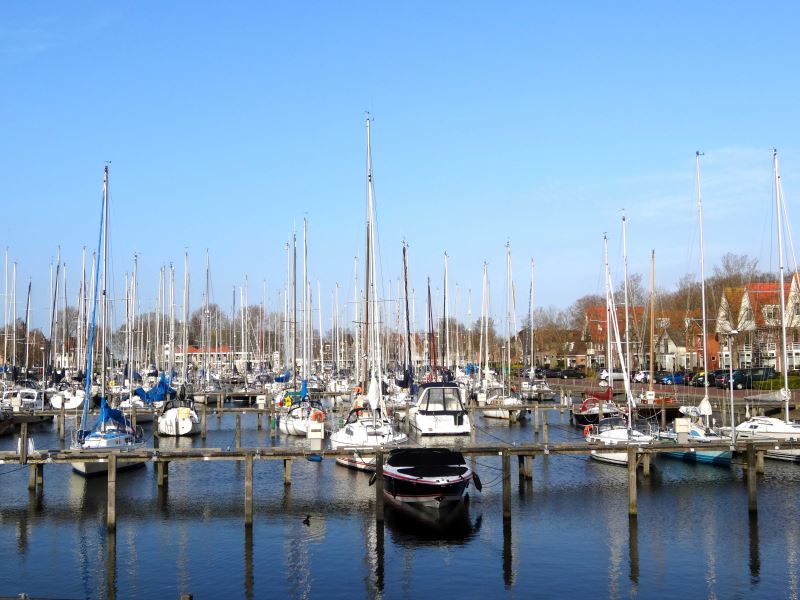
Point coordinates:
[(640, 377), (615, 376), (552, 373), (673, 378), (572, 374), (762, 373), (742, 378), (687, 377)]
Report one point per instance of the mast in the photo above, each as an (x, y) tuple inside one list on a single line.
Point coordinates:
[(96, 281), (609, 302), (294, 311), (784, 357), (368, 260), (409, 363), (431, 330), (5, 314), (356, 333), (446, 319), (530, 325), (625, 287), (185, 317), (698, 154), (652, 316)]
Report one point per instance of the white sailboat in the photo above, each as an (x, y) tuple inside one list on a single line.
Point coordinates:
[(179, 417), (368, 426), (112, 431), (697, 427), (615, 434), (771, 428)]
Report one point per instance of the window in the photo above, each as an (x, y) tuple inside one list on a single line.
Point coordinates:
[(771, 312)]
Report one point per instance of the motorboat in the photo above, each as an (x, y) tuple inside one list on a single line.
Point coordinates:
[(178, 418), (439, 409), (615, 435), (434, 478)]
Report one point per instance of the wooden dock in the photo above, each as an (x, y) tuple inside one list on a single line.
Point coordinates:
[(753, 453)]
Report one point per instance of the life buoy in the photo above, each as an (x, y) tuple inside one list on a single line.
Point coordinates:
[(358, 390), (586, 431), (317, 415)]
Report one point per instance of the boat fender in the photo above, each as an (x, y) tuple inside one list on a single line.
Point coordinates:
[(586, 431), (476, 481)]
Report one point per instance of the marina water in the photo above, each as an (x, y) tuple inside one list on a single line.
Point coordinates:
[(570, 533)]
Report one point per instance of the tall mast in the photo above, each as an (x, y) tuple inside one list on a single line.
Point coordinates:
[(185, 317), (368, 261), (356, 332), (530, 324), (104, 288), (698, 154), (294, 311), (625, 287), (5, 312), (446, 319), (652, 316), (171, 321), (784, 357), (409, 363), (609, 308)]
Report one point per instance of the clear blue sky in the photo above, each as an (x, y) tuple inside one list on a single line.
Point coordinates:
[(536, 123)]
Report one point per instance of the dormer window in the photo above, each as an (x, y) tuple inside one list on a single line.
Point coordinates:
[(771, 312)]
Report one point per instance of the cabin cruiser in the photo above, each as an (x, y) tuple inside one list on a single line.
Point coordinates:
[(439, 410)]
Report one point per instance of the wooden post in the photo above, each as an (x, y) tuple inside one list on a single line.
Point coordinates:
[(248, 490), (287, 471), (632, 459), (529, 467), (760, 461), (544, 426), (133, 415), (62, 423), (155, 429), (39, 479), (31, 478), (646, 465), (203, 411), (238, 430), (23, 443), (379, 486), (162, 473), (506, 484), (219, 401), (259, 420), (185, 596), (535, 418), (111, 510), (752, 498)]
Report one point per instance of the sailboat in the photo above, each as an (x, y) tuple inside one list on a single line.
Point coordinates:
[(615, 434), (112, 431), (772, 428), (502, 397), (368, 426), (696, 428), (179, 416)]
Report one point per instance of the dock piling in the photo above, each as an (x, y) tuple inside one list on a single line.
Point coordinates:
[(248, 490), (287, 471), (646, 465), (31, 478), (111, 507), (760, 461), (238, 431), (61, 423), (506, 484), (752, 498), (379, 486), (23, 443), (162, 473), (632, 500), (203, 412)]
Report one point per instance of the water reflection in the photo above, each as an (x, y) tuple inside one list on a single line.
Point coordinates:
[(248, 562), (755, 558), (633, 548), (508, 555), (111, 565)]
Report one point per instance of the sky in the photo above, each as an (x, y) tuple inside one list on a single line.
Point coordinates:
[(531, 123)]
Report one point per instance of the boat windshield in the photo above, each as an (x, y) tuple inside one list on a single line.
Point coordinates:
[(441, 399)]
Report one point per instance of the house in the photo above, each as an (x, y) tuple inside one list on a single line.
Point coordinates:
[(595, 334), (749, 325)]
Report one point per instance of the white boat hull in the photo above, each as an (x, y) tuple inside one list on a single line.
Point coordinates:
[(179, 421)]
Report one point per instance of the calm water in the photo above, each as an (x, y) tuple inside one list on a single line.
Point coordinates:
[(570, 534)]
